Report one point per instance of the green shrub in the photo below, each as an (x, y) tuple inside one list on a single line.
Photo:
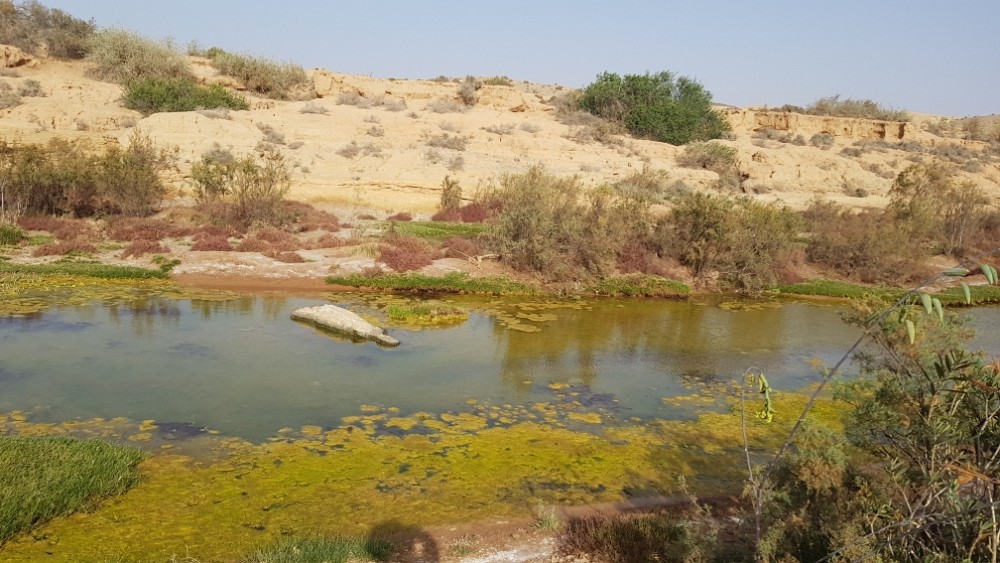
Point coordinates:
[(11, 234), (261, 76), (451, 199), (323, 550), (129, 178), (29, 24), (58, 177), (123, 56), (848, 107), (49, 477), (455, 282), (152, 95), (246, 191), (655, 106), (498, 81), (639, 285)]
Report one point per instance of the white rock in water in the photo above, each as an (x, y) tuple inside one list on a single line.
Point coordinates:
[(341, 320)]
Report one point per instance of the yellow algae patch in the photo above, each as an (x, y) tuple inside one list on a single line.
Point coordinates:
[(590, 417), (147, 425), (558, 386), (141, 437), (311, 430), (370, 408), (403, 423), (538, 318)]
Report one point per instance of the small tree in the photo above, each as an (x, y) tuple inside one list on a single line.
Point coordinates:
[(655, 106), (129, 177)]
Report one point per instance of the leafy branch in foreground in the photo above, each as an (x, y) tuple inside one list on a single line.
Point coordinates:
[(928, 412)]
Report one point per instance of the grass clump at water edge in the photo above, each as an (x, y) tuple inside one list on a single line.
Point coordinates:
[(323, 550), (639, 285), (455, 282), (49, 477), (88, 269)]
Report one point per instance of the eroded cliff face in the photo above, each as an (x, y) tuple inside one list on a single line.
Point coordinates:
[(750, 121)]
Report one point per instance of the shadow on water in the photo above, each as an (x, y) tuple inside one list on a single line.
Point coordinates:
[(410, 543)]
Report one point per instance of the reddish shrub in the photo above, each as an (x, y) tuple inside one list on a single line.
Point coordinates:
[(449, 216), (401, 216), (207, 243), (459, 247), (61, 229), (141, 247), (45, 223), (138, 229), (250, 244), (473, 213), (63, 248), (332, 241), (214, 231), (289, 257), (403, 253), (309, 218)]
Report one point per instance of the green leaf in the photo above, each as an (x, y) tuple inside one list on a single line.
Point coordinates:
[(967, 293), (957, 272), (938, 308), (989, 272), (926, 300), (911, 330)]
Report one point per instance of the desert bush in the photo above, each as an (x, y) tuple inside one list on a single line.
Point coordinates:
[(404, 253), (143, 247), (468, 90), (498, 81), (848, 107), (865, 246), (708, 155), (451, 198), (142, 229), (444, 105), (352, 98), (446, 141), (353, 149), (530, 128), (212, 243), (64, 248), (401, 216), (456, 163), (655, 106), (30, 25), (281, 81), (8, 97), (672, 537), (58, 177), (647, 185), (257, 190), (461, 247), (129, 178), (312, 107), (271, 135), (31, 88), (150, 95), (287, 257), (123, 56), (503, 129), (821, 140)]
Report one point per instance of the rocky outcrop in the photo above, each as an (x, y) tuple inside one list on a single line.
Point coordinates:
[(846, 127), (11, 57), (345, 322)]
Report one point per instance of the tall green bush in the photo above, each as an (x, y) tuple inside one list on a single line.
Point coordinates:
[(129, 177), (245, 191), (655, 106)]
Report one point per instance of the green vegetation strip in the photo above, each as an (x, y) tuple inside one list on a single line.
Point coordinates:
[(840, 289), (438, 230), (48, 477), (323, 550), (88, 269), (639, 285), (455, 282)]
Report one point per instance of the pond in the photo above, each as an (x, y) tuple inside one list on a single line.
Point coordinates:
[(243, 368), (261, 427)]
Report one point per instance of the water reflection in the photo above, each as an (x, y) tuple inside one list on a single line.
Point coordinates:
[(242, 367)]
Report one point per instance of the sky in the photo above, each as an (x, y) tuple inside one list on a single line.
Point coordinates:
[(928, 56)]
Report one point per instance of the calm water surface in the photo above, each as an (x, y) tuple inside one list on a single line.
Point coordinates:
[(243, 368)]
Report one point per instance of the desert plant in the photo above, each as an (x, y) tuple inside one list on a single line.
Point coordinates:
[(153, 95), (58, 177), (352, 98), (31, 88), (257, 189), (468, 90), (849, 107), (498, 81), (51, 477), (129, 178), (404, 253), (313, 107), (655, 106), (8, 97), (122, 56), (821, 140), (451, 199), (271, 135), (446, 141), (31, 26), (503, 129), (11, 234), (444, 105), (708, 155), (261, 76)]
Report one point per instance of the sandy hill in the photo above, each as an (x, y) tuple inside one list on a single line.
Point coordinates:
[(387, 144)]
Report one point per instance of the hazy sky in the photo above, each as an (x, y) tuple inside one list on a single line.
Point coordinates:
[(932, 56)]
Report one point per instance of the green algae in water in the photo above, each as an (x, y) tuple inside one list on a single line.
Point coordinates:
[(351, 478)]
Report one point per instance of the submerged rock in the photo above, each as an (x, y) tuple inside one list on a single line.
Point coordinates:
[(343, 321)]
